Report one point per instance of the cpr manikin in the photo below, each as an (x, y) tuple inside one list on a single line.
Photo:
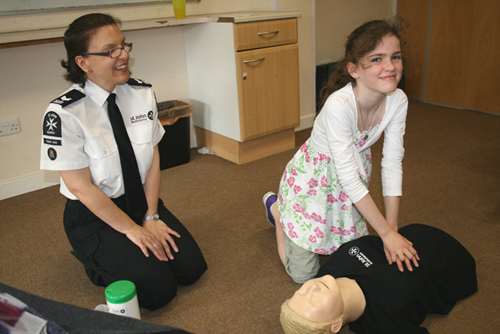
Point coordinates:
[(326, 302), (357, 286)]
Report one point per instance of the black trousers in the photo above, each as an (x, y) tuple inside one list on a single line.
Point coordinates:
[(109, 256)]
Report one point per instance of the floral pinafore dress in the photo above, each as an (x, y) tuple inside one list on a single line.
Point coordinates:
[(316, 213)]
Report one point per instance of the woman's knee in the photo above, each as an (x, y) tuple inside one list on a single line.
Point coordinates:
[(154, 296), (191, 271)]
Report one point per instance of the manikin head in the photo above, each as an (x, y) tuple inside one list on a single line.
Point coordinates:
[(322, 306)]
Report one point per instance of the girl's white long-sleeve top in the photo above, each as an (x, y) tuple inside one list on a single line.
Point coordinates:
[(334, 132)]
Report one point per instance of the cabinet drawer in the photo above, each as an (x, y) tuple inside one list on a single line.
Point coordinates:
[(261, 34)]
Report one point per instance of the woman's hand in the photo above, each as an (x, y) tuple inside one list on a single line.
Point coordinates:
[(398, 249), (163, 233), (145, 240)]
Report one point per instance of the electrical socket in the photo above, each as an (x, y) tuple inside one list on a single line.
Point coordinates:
[(9, 126)]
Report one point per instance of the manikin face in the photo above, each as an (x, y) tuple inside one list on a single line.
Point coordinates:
[(381, 69), (106, 72), (318, 300)]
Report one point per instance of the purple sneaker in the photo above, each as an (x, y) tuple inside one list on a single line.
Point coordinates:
[(269, 199)]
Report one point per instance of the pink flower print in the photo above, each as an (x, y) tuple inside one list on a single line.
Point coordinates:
[(336, 230), (324, 157), (291, 181), (369, 158), (361, 142), (344, 207), (353, 228), (293, 172), (292, 234), (323, 181), (312, 192), (308, 157), (306, 215), (290, 226), (282, 225), (334, 249), (303, 148), (297, 189), (298, 208), (319, 234), (312, 238), (312, 183), (331, 199), (280, 199), (343, 196), (316, 217), (320, 251), (315, 161), (346, 232)]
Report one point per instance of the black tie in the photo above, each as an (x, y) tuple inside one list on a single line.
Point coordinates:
[(134, 191)]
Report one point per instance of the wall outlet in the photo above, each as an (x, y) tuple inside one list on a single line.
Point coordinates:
[(9, 126)]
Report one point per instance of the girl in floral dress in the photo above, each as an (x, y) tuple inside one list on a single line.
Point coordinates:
[(323, 198)]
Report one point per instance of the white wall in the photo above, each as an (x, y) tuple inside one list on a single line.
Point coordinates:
[(32, 76), (336, 19)]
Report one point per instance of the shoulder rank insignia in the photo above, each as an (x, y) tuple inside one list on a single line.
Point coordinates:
[(68, 98), (138, 82)]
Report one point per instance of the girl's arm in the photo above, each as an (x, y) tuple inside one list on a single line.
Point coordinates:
[(397, 248), (79, 183), (152, 190), (391, 204)]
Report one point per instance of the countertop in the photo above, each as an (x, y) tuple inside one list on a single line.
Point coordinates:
[(40, 35)]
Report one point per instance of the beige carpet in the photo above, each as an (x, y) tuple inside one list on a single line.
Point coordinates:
[(451, 181)]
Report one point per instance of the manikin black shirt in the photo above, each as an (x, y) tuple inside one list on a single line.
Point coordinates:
[(398, 302)]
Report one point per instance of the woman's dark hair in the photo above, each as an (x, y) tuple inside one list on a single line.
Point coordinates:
[(362, 40), (77, 39)]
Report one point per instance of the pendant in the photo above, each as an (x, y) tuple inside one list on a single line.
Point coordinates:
[(365, 137)]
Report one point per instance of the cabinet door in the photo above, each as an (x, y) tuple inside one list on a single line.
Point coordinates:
[(268, 90)]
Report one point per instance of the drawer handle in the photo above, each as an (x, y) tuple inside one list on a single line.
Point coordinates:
[(253, 61), (268, 33)]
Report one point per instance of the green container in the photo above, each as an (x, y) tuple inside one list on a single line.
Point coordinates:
[(120, 292)]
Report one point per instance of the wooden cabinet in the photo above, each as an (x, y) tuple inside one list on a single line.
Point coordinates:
[(245, 91)]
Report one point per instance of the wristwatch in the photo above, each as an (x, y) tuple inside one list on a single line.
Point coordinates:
[(155, 216)]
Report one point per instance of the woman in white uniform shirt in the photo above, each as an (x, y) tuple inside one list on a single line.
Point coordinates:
[(78, 141)]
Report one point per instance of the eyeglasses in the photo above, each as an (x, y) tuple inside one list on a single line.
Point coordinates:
[(113, 53)]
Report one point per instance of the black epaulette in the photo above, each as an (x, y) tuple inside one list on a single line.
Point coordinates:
[(138, 82), (68, 98)]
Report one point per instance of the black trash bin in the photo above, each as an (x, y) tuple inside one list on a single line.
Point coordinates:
[(174, 147)]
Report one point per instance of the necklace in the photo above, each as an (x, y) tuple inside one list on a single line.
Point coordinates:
[(361, 114)]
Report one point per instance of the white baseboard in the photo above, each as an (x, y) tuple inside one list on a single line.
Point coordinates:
[(28, 184), (52, 178)]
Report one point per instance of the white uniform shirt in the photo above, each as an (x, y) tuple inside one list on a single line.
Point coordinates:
[(77, 133), (334, 132)]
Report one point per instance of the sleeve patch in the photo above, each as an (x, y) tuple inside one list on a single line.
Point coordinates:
[(68, 98), (138, 82), (52, 125), (52, 154)]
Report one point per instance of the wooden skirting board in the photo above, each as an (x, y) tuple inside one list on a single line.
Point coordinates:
[(244, 152)]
